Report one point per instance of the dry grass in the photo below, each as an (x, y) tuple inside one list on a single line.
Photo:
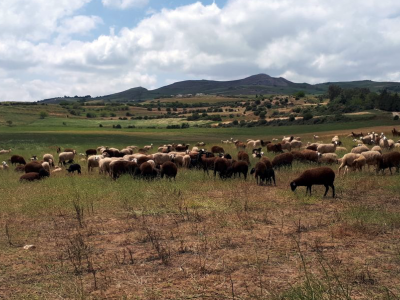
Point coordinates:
[(199, 238)]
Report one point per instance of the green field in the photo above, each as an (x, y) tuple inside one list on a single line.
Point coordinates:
[(197, 237)]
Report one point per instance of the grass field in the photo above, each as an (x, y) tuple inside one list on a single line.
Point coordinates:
[(196, 237)]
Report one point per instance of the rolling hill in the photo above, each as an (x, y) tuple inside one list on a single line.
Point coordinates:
[(256, 84)]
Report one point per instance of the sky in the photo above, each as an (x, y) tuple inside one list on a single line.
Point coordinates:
[(52, 48)]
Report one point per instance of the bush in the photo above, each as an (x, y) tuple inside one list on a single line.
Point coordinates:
[(307, 116), (300, 94), (396, 117), (43, 114), (91, 115), (118, 126), (291, 118), (100, 125)]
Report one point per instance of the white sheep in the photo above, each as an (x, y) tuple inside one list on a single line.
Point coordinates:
[(152, 163), (126, 151), (377, 148), (359, 162), (348, 160), (4, 166), (5, 151), (296, 144), (327, 148), (316, 137), (186, 161), (286, 146), (160, 158), (372, 158), (49, 158), (46, 166), (384, 143), (327, 158), (360, 149), (65, 156), (56, 170), (94, 161), (338, 149), (148, 147)]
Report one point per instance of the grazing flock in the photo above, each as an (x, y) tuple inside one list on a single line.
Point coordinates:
[(371, 149)]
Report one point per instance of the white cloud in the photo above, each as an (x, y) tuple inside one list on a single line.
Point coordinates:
[(310, 40), (124, 4)]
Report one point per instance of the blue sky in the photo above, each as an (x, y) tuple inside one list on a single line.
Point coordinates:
[(51, 48)]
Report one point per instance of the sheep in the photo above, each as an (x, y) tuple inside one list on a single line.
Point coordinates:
[(143, 159), (339, 149), (267, 162), (313, 146), (74, 167), (368, 140), (287, 139), (31, 176), (201, 144), (327, 148), (240, 146), (310, 155), (275, 148), (46, 166), (4, 166), (337, 140), (217, 149), (238, 167), (205, 162), (126, 151), (372, 158), (169, 169), (286, 146), (384, 143), (49, 158), (56, 170), (70, 150), (5, 151), (33, 166), (360, 149), (282, 160), (65, 156), (295, 144), (16, 159), (119, 167), (243, 156), (160, 158), (318, 176), (359, 162), (391, 143), (348, 160), (264, 173), (34, 158), (221, 166), (298, 155), (195, 149), (316, 137), (146, 171), (254, 144), (93, 162), (20, 168), (104, 165), (90, 152), (112, 152), (327, 158), (186, 161), (147, 148), (389, 160)]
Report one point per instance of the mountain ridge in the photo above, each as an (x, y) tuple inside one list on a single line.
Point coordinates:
[(254, 84)]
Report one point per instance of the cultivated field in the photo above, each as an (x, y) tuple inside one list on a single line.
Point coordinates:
[(196, 237)]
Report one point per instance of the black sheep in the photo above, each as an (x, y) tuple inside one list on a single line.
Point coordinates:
[(91, 152), (264, 173), (169, 169), (318, 176), (74, 167)]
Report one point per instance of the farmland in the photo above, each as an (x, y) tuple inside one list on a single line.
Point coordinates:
[(196, 237)]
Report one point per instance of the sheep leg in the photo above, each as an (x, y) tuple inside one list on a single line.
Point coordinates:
[(333, 190), (326, 189)]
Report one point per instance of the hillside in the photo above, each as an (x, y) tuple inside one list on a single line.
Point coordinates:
[(256, 84)]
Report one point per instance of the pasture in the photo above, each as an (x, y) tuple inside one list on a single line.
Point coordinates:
[(198, 237)]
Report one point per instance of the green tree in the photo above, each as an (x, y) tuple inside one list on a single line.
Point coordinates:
[(307, 116), (43, 114), (334, 91)]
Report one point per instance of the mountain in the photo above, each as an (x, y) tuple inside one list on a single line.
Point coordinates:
[(256, 84)]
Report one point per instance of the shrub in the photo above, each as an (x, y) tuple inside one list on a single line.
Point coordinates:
[(91, 115), (307, 116), (396, 117)]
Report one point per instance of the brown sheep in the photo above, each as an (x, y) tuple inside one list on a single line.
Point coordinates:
[(33, 166), (17, 159), (221, 166), (217, 149), (90, 152), (389, 160), (243, 156), (169, 169), (282, 160), (263, 172), (238, 167), (32, 176), (20, 168), (318, 176), (120, 167), (275, 148)]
